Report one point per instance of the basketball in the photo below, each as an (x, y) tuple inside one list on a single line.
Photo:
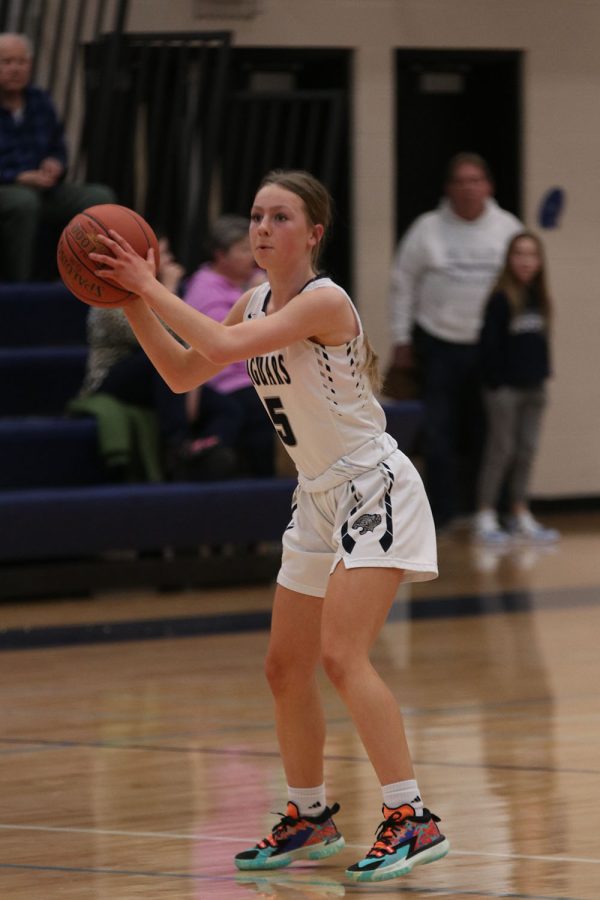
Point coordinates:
[(78, 240)]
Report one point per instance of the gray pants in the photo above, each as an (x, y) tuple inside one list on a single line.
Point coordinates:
[(23, 209), (513, 425)]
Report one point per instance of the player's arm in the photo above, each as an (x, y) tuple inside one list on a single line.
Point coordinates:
[(324, 314), (183, 368)]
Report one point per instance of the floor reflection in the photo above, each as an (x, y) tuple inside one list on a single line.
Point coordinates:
[(519, 559), (504, 709), (292, 885)]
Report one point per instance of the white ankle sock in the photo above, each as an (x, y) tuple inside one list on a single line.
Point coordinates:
[(310, 801), (400, 792)]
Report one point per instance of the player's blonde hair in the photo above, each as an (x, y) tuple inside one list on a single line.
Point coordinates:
[(319, 206), (371, 366)]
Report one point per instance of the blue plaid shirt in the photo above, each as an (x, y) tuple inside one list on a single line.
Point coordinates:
[(36, 136)]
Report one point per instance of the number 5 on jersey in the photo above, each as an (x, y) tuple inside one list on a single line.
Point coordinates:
[(280, 420)]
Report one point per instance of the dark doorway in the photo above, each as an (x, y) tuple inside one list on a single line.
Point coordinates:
[(154, 105), (288, 108), (450, 101)]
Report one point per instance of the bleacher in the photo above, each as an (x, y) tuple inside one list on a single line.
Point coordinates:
[(65, 529)]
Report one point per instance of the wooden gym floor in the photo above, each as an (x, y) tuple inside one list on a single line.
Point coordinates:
[(137, 767)]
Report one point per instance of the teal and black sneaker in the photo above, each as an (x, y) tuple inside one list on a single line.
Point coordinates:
[(404, 840), (294, 837)]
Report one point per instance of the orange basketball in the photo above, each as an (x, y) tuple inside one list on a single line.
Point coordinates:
[(78, 240)]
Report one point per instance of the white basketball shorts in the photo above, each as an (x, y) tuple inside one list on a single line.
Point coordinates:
[(380, 519)]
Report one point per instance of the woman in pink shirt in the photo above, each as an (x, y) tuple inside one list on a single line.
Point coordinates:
[(230, 408)]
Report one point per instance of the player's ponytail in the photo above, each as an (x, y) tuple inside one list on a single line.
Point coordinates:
[(371, 366)]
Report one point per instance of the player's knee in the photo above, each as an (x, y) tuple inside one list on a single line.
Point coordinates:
[(338, 664), (285, 671), (277, 671)]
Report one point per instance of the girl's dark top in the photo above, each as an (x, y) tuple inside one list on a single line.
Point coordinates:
[(514, 348)]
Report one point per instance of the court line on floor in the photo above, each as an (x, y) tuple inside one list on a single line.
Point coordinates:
[(274, 754), (455, 606), (109, 832), (103, 870)]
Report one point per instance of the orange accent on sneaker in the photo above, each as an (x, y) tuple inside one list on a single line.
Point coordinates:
[(271, 840), (398, 814), (405, 810)]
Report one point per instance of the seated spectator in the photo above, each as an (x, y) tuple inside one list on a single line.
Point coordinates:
[(240, 420), (118, 368), (230, 403), (33, 165)]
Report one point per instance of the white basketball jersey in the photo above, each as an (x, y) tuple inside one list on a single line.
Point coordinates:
[(320, 401)]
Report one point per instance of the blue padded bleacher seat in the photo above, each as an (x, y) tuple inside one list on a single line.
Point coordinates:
[(44, 452), (79, 522), (41, 315), (71, 521), (37, 381)]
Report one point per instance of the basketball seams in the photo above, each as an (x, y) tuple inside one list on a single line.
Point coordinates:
[(140, 223), (132, 215), (77, 241), (77, 262), (73, 247), (102, 227), (84, 262)]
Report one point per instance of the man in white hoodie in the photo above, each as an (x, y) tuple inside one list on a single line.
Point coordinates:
[(442, 273)]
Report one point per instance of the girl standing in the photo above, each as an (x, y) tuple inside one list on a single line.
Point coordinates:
[(360, 523), (515, 366)]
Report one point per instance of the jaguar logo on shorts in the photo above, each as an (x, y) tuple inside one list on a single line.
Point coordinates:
[(367, 522)]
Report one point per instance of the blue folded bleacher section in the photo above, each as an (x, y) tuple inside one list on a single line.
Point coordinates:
[(63, 528)]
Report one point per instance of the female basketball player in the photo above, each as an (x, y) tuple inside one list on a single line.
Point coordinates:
[(360, 523)]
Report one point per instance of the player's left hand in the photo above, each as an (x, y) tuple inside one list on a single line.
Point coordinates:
[(124, 266)]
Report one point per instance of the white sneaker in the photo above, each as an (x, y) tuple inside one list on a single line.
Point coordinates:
[(525, 527), (487, 528)]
